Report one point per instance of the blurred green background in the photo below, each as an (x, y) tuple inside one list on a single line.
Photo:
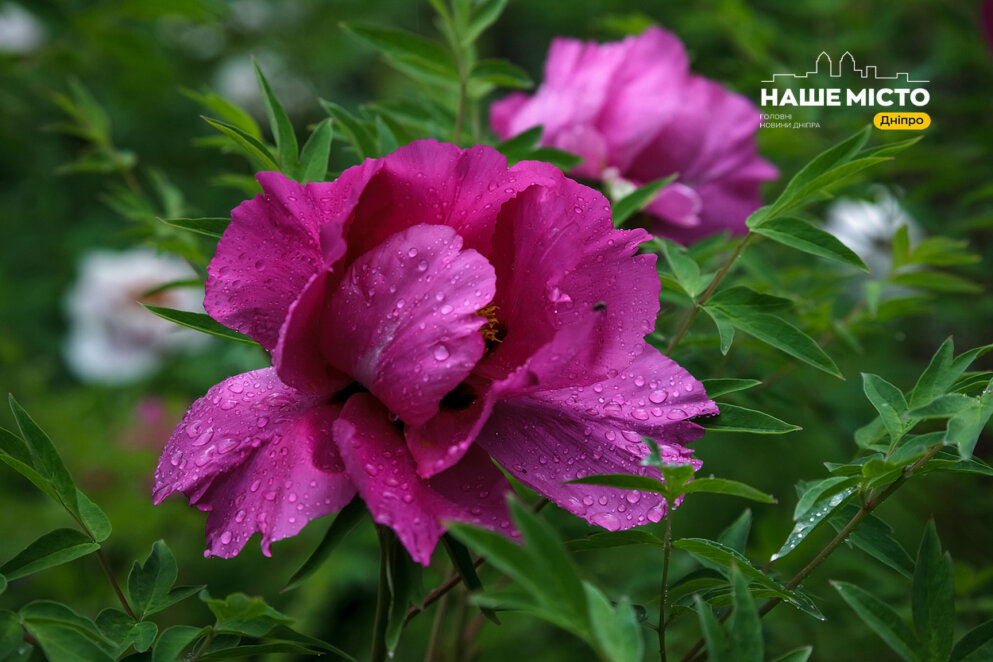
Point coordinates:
[(136, 57)]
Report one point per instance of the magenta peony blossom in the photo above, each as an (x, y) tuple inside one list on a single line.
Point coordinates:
[(635, 114), (428, 312)]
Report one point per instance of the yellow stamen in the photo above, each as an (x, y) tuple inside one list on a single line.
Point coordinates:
[(493, 330)]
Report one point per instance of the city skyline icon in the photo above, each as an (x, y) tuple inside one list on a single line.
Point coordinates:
[(824, 61)]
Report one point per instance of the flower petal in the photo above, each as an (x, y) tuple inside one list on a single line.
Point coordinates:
[(543, 447), (300, 227), (558, 259), (297, 357), (437, 183), (374, 452), (404, 321), (259, 456)]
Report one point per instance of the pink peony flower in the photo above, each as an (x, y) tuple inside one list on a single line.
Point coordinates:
[(428, 312), (635, 114)]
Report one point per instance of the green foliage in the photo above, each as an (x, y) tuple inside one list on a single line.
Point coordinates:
[(200, 322)]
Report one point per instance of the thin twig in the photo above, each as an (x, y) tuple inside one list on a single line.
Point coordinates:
[(113, 582), (381, 621), (664, 591)]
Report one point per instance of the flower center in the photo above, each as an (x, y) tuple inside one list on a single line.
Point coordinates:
[(493, 331)]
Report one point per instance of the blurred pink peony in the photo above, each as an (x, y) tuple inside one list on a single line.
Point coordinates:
[(635, 114), (429, 312)]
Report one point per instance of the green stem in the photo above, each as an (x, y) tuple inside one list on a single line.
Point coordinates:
[(386, 541), (113, 582), (433, 653), (664, 590), (715, 281)]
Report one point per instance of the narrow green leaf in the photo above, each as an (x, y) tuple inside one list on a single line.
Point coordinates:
[(503, 554), (975, 646), (715, 388), (519, 146), (502, 73), (735, 535), (888, 400), (200, 322), (257, 152), (745, 628), (45, 458), (615, 628), (355, 132), (210, 227), (729, 487), (805, 237), (462, 562), (484, 14), (256, 650), (52, 549), (614, 539), (387, 140), (561, 583), (174, 640), (8, 440), (740, 419), (933, 598), (875, 537), (824, 499), (939, 281), (285, 633), (3, 585), (796, 655), (228, 111), (723, 556), (279, 123), (965, 426), (881, 618), (407, 47), (400, 579), (564, 161), (777, 332), (725, 328), (639, 199), (343, 523), (316, 152), (11, 633), (944, 406), (93, 517), (713, 634), (900, 247)]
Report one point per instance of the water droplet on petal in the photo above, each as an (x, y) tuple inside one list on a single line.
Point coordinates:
[(441, 353)]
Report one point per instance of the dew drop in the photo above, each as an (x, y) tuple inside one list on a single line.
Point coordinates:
[(441, 353)]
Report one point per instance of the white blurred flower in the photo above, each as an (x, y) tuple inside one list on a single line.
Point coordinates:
[(112, 339), (20, 31), (868, 227)]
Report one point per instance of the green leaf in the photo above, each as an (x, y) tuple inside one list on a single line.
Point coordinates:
[(93, 517), (518, 147), (210, 227), (614, 539), (343, 523), (144, 635), (615, 628), (820, 500), (174, 640), (255, 650), (407, 47), (805, 237), (279, 123), (725, 328), (285, 633), (796, 655), (740, 419), (52, 549), (387, 140), (400, 580), (11, 634), (715, 388), (745, 628), (943, 371), (938, 281), (316, 152), (256, 151), (713, 634), (975, 646), (735, 535), (875, 537), (484, 14), (66, 644), (774, 331), (933, 598), (45, 459), (888, 400), (3, 585), (228, 111), (502, 73), (149, 583), (684, 268), (944, 406), (462, 562), (639, 199), (503, 554), (10, 442), (560, 581), (942, 252), (201, 322), (723, 556), (730, 487), (355, 132), (881, 618), (965, 426), (564, 161)]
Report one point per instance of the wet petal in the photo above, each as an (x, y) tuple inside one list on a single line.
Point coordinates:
[(377, 458), (300, 226), (404, 321), (259, 456), (543, 446)]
